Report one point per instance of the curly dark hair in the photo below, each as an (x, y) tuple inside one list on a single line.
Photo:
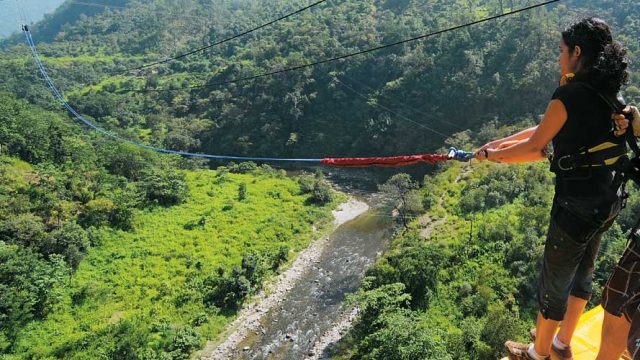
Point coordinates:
[(603, 61)]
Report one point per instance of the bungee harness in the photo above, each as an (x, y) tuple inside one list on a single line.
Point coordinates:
[(608, 150)]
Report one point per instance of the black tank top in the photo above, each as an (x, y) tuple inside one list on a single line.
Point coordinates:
[(588, 121)]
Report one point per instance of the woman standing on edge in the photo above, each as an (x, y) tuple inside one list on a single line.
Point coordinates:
[(588, 194)]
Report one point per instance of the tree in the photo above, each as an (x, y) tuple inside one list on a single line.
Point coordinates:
[(70, 241), (227, 292), (165, 187), (242, 192), (401, 196), (501, 325), (28, 288), (400, 337), (322, 193), (25, 229), (376, 302)]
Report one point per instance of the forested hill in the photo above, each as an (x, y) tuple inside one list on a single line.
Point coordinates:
[(109, 251), (500, 71)]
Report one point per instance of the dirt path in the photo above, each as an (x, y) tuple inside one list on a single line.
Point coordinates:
[(273, 293), (428, 221)]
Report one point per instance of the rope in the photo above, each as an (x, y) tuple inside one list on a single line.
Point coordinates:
[(402, 104), (225, 40), (392, 161), (342, 57), (391, 111)]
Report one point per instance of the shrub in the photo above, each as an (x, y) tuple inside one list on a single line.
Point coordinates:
[(227, 292), (306, 184), (184, 342), (164, 187), (322, 193), (70, 241), (242, 192), (243, 167), (23, 229), (97, 212)]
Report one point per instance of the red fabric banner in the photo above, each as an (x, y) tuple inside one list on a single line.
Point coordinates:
[(392, 161)]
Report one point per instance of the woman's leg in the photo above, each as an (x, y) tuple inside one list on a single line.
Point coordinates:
[(567, 272), (582, 286), (561, 259), (575, 307), (545, 330)]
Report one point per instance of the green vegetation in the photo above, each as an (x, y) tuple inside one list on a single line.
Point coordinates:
[(184, 269), (112, 251), (109, 251), (311, 113), (462, 289)]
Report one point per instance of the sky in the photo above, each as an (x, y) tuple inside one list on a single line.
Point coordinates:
[(34, 9)]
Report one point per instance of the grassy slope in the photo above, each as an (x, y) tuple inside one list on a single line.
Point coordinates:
[(139, 275)]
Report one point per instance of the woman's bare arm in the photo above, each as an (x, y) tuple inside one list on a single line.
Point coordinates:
[(532, 149)]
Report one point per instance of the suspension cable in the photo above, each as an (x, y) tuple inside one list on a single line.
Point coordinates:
[(405, 105), (71, 110), (342, 57), (194, 51), (391, 111)]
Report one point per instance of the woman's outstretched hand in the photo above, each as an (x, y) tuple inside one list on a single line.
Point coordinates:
[(481, 154)]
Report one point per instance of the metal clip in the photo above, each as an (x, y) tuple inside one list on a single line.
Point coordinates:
[(559, 162)]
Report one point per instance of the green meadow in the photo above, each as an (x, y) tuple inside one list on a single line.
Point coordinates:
[(146, 286)]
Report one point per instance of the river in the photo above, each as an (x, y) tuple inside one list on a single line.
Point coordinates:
[(312, 304)]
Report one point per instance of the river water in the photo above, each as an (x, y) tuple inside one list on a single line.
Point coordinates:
[(314, 303)]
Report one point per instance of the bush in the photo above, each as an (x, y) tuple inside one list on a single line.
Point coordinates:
[(184, 342), (121, 216), (129, 339), (501, 325), (242, 192), (243, 167), (25, 229), (280, 257), (70, 241), (97, 212), (126, 160), (164, 187), (306, 184), (400, 337), (501, 186), (322, 193), (376, 302), (28, 288), (227, 292)]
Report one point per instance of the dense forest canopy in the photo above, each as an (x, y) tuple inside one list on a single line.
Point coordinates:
[(77, 207), (503, 71)]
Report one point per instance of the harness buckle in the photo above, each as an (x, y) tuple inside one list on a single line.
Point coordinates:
[(559, 163)]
